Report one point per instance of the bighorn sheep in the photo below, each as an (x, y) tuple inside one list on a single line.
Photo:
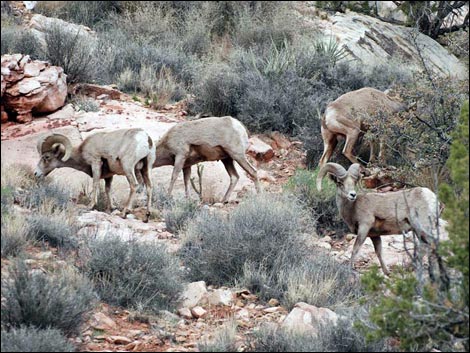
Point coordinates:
[(376, 214), (102, 155), (206, 139), (345, 117)]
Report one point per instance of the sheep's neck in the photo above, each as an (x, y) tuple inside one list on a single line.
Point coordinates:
[(346, 210), (163, 157), (77, 162)]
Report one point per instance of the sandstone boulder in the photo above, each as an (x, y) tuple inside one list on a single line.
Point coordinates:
[(193, 294), (371, 41), (309, 318), (31, 87)]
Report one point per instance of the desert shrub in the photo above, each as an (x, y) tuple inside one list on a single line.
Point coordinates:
[(160, 197), (274, 225), (73, 51), (141, 276), (318, 280), (263, 245), (427, 308), (33, 298), (16, 39), (88, 13), (16, 176), (322, 205), (224, 340), (30, 339), (14, 235), (429, 124), (84, 103), (53, 228), (44, 193), (179, 213), (6, 199), (341, 338)]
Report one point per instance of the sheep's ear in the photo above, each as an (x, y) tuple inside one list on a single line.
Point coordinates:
[(334, 178), (57, 149)]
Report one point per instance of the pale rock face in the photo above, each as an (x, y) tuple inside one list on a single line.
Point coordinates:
[(39, 24), (370, 41), (309, 318), (31, 87), (220, 297), (193, 294)]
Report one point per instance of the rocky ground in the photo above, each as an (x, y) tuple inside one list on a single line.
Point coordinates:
[(206, 309)]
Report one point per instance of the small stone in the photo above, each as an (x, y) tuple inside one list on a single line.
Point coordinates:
[(118, 340), (239, 303), (273, 302), (102, 322), (220, 297), (324, 245), (218, 205), (198, 312), (350, 237), (193, 294), (130, 216), (44, 255), (326, 239), (272, 310), (242, 314), (259, 307), (185, 312)]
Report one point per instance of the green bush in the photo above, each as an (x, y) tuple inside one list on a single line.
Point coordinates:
[(428, 309), (142, 276), (59, 300), (322, 205), (30, 339)]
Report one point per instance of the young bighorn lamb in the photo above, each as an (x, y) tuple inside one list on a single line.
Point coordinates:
[(206, 139), (376, 214), (102, 155), (345, 117)]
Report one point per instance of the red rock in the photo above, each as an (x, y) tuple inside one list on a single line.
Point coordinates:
[(260, 150)]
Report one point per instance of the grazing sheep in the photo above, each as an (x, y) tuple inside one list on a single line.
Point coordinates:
[(376, 214), (206, 139), (345, 117), (102, 155)]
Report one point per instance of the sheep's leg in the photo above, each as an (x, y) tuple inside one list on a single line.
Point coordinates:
[(148, 183), (361, 238), (187, 180), (329, 145), (139, 176), (96, 172), (132, 179), (351, 140), (109, 200), (232, 172), (377, 241), (178, 166), (249, 169)]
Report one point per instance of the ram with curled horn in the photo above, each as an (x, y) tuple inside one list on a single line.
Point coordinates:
[(128, 152), (375, 214)]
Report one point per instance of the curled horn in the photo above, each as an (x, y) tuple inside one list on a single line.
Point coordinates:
[(332, 168), (355, 171), (47, 142)]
